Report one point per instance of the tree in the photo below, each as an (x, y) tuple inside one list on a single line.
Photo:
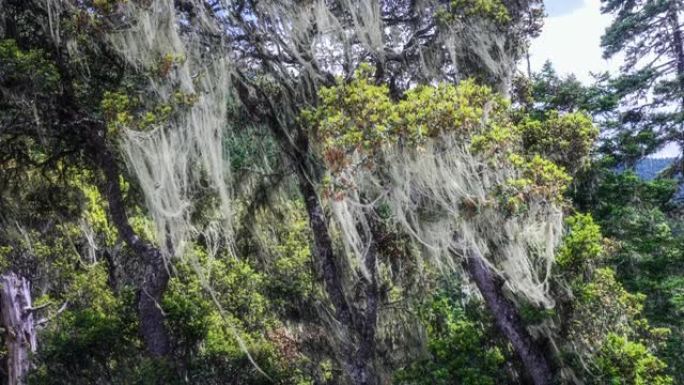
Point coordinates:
[(280, 71), (604, 332), (384, 142), (62, 125), (648, 248), (651, 87), (364, 133), (634, 214)]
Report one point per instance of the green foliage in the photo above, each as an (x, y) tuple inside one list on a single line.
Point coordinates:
[(120, 110), (582, 244), (648, 250), (96, 216), (21, 68), (456, 9), (603, 313), (248, 148), (212, 313), (361, 114), (546, 92), (116, 107), (539, 178), (603, 289), (623, 362), (359, 117), (462, 346), (94, 340), (565, 139), (286, 238)]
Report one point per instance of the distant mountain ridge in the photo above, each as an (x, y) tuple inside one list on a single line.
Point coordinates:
[(649, 168)]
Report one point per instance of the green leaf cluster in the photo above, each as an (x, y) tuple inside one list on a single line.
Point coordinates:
[(360, 118)]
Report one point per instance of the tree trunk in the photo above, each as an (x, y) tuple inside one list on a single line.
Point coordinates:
[(153, 330), (152, 326), (17, 320), (364, 356), (360, 322), (323, 251), (508, 320)]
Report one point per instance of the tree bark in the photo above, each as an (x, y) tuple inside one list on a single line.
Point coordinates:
[(508, 320), (153, 329), (365, 370), (17, 320), (152, 326), (360, 322)]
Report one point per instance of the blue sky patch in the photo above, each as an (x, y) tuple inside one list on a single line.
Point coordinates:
[(562, 7)]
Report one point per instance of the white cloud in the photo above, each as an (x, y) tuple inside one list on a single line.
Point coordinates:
[(572, 41)]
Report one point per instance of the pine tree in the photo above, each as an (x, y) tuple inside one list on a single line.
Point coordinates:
[(650, 35)]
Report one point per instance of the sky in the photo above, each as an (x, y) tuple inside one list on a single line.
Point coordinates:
[(571, 40)]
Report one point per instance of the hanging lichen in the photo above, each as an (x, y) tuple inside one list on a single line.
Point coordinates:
[(450, 162)]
